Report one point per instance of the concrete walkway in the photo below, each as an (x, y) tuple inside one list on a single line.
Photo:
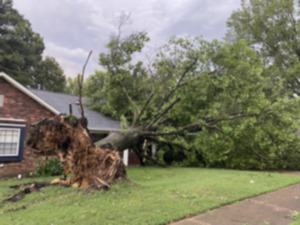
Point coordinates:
[(274, 208)]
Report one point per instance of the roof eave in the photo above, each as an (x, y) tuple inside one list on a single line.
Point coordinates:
[(98, 131), (29, 93)]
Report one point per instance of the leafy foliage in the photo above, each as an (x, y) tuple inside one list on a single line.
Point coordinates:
[(125, 83), (71, 86), (49, 76), (51, 167), (215, 104), (271, 27)]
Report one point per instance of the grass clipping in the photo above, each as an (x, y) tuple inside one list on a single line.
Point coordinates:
[(91, 166)]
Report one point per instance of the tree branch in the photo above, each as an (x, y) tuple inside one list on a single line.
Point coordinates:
[(181, 130), (143, 109), (80, 84), (158, 117), (241, 115), (148, 157), (209, 123), (179, 82), (166, 142), (134, 108)]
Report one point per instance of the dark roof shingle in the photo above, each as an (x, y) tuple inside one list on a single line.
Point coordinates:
[(60, 101)]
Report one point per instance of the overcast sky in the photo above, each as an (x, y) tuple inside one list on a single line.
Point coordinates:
[(71, 28)]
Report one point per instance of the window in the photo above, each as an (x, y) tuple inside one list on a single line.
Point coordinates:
[(11, 142)]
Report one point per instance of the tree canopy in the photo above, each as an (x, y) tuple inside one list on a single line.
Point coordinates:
[(231, 103), (21, 52), (201, 102), (272, 28)]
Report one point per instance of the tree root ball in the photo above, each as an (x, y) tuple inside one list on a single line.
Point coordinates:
[(71, 142)]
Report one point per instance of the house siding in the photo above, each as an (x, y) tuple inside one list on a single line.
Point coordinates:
[(17, 105)]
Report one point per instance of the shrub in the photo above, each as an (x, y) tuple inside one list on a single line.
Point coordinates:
[(52, 167)]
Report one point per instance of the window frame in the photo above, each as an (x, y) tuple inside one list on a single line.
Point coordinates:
[(20, 144), (1, 100)]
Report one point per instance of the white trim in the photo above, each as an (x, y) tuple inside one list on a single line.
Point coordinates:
[(12, 125), (27, 92), (1, 100), (125, 157), (153, 149), (99, 131), (12, 120)]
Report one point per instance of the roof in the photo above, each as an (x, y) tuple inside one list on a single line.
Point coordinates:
[(58, 103), (27, 92)]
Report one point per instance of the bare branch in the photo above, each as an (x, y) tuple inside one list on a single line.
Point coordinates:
[(80, 84), (237, 116), (143, 109), (148, 157), (209, 123), (180, 131), (86, 62), (158, 117), (133, 106), (179, 82), (163, 142)]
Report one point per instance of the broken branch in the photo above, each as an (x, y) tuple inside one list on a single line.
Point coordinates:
[(80, 84)]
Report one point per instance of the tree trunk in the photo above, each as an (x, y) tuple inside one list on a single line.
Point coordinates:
[(122, 140)]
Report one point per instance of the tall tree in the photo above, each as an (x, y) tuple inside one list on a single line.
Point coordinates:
[(21, 50), (71, 86), (271, 27), (95, 87), (49, 76)]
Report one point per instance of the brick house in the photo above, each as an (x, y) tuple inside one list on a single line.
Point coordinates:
[(20, 106)]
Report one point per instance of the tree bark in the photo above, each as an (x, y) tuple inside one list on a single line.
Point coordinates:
[(122, 140)]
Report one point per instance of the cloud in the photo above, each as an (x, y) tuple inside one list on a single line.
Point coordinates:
[(72, 60), (73, 27)]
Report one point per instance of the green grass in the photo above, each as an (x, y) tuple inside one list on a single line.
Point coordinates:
[(154, 196), (295, 216)]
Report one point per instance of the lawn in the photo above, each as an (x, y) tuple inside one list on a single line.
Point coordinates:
[(295, 216), (154, 196)]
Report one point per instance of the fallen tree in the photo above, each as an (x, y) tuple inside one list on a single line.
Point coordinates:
[(65, 137), (209, 102)]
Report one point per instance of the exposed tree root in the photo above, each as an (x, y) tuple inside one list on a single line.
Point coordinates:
[(90, 165), (27, 189)]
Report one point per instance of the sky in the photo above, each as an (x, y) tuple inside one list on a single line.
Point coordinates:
[(72, 28)]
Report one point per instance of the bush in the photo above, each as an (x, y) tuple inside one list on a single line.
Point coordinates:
[(52, 167)]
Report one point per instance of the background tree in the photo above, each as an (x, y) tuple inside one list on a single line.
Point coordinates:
[(272, 28), (49, 76), (95, 87), (71, 86), (21, 51)]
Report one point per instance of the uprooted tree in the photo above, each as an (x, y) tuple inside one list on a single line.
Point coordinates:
[(209, 101), (206, 100)]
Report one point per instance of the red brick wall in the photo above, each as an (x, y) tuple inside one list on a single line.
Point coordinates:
[(133, 159), (18, 105)]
